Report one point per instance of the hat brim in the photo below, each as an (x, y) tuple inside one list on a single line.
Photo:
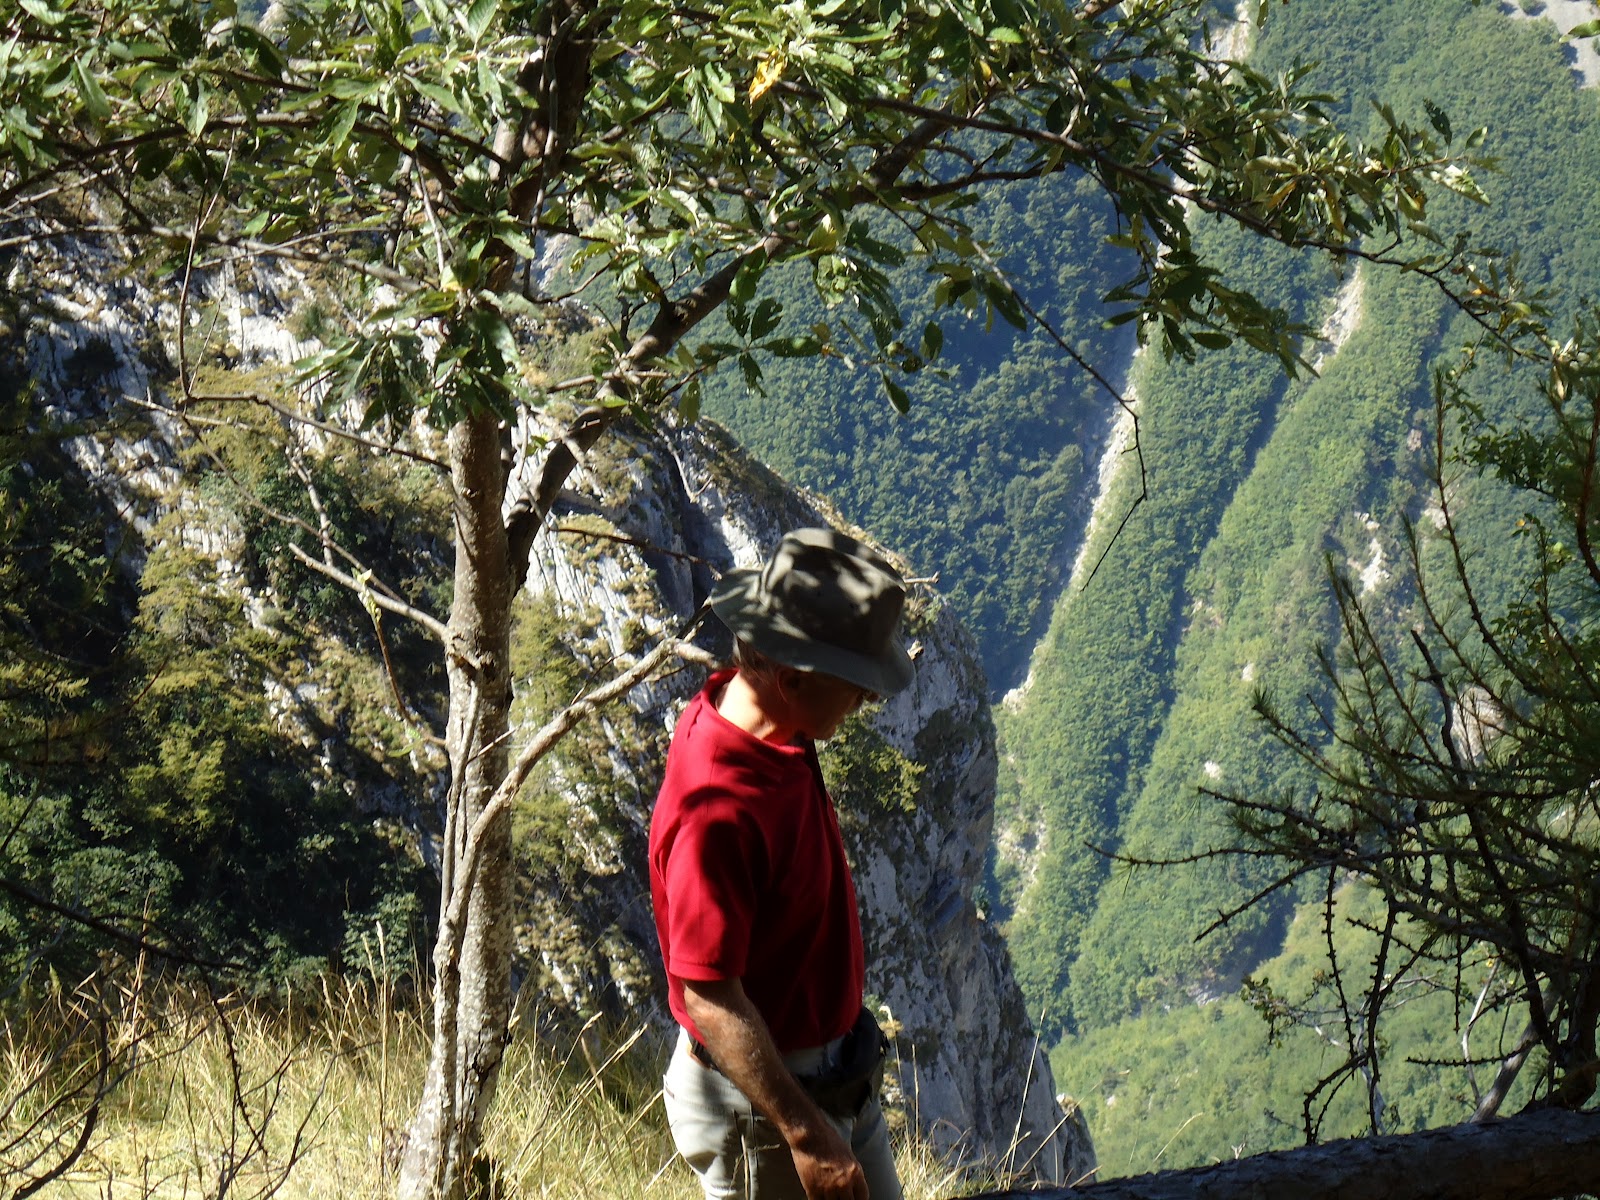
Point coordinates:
[(736, 601)]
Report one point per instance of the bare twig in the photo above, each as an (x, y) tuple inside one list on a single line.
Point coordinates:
[(381, 598)]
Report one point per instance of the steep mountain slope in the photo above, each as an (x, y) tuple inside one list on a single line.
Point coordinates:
[(1139, 692), (1081, 735), (1344, 466)]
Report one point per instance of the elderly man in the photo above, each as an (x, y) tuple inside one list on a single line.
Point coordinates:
[(772, 1091)]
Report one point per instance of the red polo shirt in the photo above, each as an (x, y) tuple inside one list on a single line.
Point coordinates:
[(749, 879)]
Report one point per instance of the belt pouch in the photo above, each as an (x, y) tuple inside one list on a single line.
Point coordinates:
[(844, 1089)]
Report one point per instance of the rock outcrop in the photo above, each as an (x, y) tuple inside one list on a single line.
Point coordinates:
[(661, 516)]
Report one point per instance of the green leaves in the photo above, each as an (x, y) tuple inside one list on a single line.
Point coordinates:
[(743, 288), (1438, 118), (94, 99), (480, 16), (442, 96), (43, 12), (415, 142), (897, 394)]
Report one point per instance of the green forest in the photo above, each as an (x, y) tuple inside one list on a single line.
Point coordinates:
[(986, 471), (194, 786), (1142, 683)]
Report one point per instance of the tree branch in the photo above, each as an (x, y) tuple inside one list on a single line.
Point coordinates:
[(541, 744), (384, 601)]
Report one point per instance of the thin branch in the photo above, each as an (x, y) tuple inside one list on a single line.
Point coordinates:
[(639, 543), (542, 742), (381, 598), (288, 252), (1472, 1021), (298, 418), (1122, 402), (1244, 906), (107, 927), (364, 583)]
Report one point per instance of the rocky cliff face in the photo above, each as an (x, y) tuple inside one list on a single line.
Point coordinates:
[(660, 516), (642, 533)]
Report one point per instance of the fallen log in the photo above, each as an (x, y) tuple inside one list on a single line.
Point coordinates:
[(1532, 1156)]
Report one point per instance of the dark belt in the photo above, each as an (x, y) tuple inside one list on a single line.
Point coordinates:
[(701, 1055), (842, 1090)]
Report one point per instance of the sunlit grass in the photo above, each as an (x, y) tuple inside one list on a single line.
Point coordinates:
[(308, 1097)]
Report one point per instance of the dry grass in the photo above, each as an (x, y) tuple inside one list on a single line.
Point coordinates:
[(229, 1097)]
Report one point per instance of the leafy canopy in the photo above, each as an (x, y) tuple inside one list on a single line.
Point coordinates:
[(666, 156)]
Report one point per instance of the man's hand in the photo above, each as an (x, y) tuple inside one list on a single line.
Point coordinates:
[(827, 1168), (741, 1045)]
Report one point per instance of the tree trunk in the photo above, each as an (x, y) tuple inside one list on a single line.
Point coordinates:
[(472, 954), (1532, 1156)]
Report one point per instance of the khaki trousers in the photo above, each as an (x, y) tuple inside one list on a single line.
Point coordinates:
[(737, 1153)]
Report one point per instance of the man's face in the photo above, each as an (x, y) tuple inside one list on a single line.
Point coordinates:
[(820, 703)]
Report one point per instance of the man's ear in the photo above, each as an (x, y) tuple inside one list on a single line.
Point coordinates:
[(786, 682)]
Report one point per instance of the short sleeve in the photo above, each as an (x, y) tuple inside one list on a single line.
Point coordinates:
[(711, 880)]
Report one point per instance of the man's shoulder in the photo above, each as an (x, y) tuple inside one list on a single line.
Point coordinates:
[(703, 773)]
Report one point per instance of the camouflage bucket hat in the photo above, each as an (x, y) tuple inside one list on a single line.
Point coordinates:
[(824, 602)]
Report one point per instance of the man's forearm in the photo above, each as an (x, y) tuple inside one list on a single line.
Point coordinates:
[(742, 1047)]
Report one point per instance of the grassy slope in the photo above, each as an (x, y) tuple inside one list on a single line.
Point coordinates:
[(325, 1086)]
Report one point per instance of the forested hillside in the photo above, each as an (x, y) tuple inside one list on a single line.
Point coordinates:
[(985, 479), (144, 768), (1141, 688)]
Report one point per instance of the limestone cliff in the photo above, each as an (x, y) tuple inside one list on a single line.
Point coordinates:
[(654, 518)]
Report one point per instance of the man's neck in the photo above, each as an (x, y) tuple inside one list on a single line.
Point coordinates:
[(742, 705)]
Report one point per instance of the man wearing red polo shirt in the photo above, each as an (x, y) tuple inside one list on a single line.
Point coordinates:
[(772, 1091)]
